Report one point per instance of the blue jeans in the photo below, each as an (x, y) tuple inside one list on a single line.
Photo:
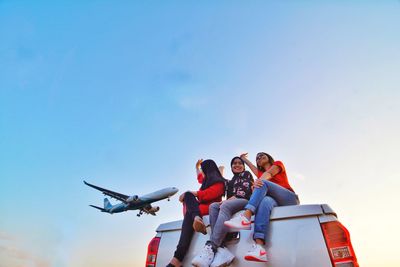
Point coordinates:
[(263, 200)]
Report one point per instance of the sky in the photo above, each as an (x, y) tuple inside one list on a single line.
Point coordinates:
[(129, 94)]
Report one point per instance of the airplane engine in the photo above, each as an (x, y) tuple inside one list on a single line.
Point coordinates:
[(133, 198), (154, 209)]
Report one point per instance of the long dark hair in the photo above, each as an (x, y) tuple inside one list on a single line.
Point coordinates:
[(270, 159), (212, 175)]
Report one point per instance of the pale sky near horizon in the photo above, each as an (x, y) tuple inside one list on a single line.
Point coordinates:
[(129, 95)]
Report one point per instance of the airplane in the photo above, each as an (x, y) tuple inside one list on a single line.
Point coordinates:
[(134, 202)]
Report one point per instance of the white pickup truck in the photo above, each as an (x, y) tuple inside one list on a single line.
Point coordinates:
[(300, 236)]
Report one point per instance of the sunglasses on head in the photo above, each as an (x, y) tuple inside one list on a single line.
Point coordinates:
[(259, 156)]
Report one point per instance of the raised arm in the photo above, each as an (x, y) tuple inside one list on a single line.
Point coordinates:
[(248, 163), (200, 178), (200, 175)]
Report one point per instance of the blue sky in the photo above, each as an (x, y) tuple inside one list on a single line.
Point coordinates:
[(129, 95)]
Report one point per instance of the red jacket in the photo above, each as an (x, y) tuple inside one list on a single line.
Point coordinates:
[(210, 195)]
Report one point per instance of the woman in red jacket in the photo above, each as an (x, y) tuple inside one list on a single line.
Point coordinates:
[(196, 205)]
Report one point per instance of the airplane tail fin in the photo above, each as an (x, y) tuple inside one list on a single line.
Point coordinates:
[(107, 204)]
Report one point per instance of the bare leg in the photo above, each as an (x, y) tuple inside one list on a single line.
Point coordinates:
[(175, 262), (248, 213), (260, 241)]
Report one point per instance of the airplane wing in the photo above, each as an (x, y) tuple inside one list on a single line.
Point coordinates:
[(118, 196)]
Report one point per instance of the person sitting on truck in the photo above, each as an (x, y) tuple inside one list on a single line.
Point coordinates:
[(196, 204), (271, 189), (238, 192)]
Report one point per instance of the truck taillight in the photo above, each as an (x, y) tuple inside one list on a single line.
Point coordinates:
[(152, 251), (338, 241)]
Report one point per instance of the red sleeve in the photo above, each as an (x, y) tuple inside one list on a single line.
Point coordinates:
[(200, 177), (276, 163), (213, 192), (280, 165)]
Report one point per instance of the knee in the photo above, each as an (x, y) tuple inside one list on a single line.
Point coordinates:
[(263, 187), (188, 195), (214, 207), (224, 208)]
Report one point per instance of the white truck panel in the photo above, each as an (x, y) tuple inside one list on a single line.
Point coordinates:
[(295, 240)]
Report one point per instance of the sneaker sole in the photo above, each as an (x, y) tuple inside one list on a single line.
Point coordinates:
[(247, 227), (226, 264), (252, 258), (196, 264)]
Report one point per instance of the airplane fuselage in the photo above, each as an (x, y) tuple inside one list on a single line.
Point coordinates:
[(143, 201)]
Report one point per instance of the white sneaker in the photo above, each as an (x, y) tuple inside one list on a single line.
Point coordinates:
[(239, 222), (222, 258), (257, 253), (204, 258)]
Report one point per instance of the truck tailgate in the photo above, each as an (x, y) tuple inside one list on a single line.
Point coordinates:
[(293, 241)]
